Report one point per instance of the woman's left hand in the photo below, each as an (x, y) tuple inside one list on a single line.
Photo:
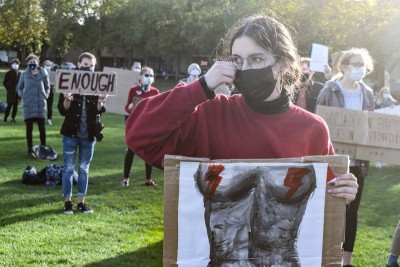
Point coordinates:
[(344, 186)]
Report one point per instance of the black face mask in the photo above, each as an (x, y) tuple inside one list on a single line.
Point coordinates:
[(32, 66), (85, 68), (255, 85)]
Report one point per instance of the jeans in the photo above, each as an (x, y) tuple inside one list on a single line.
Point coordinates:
[(86, 149)]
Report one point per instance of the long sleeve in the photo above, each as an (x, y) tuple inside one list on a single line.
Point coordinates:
[(165, 124), (21, 84)]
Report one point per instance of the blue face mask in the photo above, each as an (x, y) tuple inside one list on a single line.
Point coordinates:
[(32, 66)]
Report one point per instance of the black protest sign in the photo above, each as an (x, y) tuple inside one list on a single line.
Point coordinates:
[(86, 82)]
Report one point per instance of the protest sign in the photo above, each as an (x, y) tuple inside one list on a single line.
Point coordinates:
[(177, 168), (363, 135), (319, 57), (86, 82), (126, 80)]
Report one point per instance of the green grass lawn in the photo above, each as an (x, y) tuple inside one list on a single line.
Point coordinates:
[(126, 228)]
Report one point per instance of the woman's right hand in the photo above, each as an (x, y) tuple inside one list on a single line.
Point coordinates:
[(221, 72), (68, 96)]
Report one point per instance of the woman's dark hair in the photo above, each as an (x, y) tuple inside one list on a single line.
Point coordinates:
[(273, 36), (15, 60), (86, 55)]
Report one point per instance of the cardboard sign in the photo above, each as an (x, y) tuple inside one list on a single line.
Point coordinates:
[(126, 80), (86, 82), (363, 135), (52, 77), (319, 57), (334, 208)]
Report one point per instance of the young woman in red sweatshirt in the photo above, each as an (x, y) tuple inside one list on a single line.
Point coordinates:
[(260, 122)]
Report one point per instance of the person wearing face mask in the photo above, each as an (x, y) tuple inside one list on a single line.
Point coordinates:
[(34, 89), (48, 65), (136, 94), (261, 122), (349, 91), (10, 83), (307, 93), (194, 72), (385, 99), (81, 113)]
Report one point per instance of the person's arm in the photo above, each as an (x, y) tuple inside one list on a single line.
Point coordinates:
[(46, 83), (167, 123), (160, 125), (129, 100), (21, 84), (6, 80)]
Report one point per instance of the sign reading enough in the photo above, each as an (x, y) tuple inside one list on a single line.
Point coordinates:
[(86, 83)]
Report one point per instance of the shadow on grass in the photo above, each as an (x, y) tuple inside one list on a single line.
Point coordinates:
[(150, 256)]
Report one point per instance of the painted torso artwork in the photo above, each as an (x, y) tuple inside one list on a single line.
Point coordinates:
[(254, 219)]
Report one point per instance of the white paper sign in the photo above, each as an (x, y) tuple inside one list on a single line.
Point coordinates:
[(319, 57), (193, 242)]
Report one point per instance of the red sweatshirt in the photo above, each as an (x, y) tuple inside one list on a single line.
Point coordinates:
[(132, 93), (184, 122)]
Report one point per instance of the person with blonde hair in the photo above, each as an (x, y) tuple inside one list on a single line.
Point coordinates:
[(349, 91), (385, 99)]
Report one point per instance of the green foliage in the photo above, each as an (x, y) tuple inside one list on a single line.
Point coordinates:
[(22, 25)]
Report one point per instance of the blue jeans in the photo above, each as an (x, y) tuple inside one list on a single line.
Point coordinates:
[(86, 149)]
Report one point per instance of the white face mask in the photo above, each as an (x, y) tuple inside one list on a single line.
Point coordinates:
[(357, 74), (195, 72), (14, 66), (147, 80), (386, 96)]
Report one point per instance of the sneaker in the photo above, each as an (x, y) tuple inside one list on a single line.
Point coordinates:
[(83, 208), (13, 120), (68, 208), (49, 122), (150, 182), (125, 182)]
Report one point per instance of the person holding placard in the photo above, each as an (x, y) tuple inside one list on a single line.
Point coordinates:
[(34, 89), (385, 99), (136, 94), (349, 91), (307, 92), (80, 132), (261, 122)]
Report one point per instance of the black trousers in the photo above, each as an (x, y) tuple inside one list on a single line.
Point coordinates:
[(128, 165), (29, 129), (360, 172), (129, 160), (14, 107)]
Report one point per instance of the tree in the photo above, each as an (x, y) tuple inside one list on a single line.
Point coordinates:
[(22, 25)]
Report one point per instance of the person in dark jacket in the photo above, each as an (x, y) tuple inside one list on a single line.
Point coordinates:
[(34, 89), (81, 113), (10, 82), (308, 90)]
